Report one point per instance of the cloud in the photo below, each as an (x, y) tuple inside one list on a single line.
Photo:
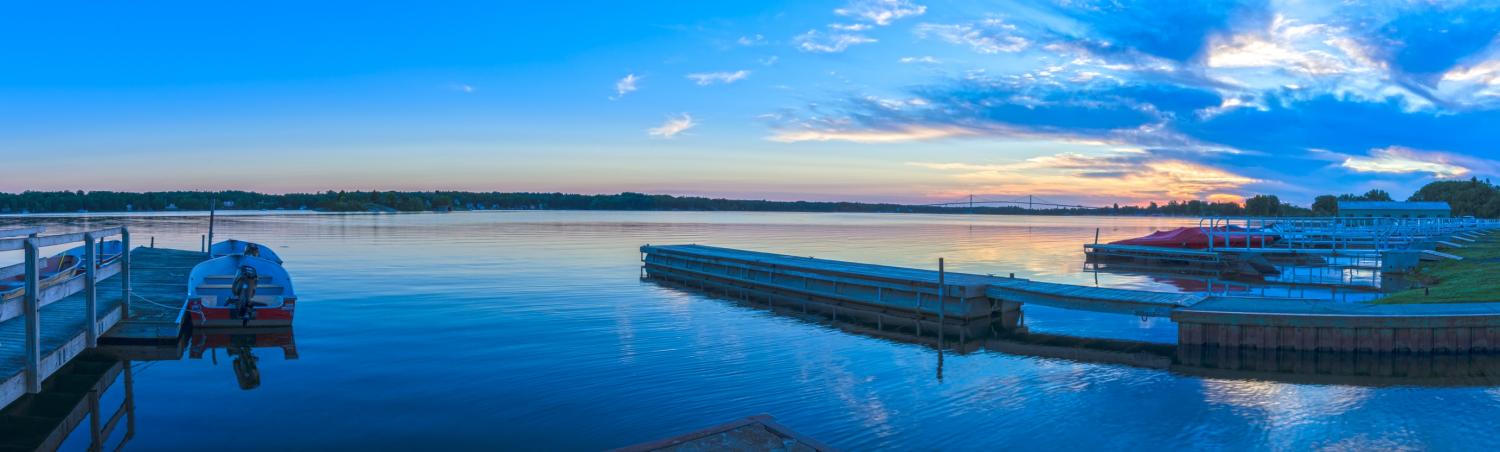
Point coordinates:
[(920, 60), (751, 41), (850, 27), (625, 86), (770, 60), (881, 12), (1424, 40), (1399, 160), (673, 126), (913, 133), (462, 87), (816, 42), (988, 36), (1130, 176), (709, 78), (1176, 31)]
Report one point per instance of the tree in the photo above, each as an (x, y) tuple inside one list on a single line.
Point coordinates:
[(1263, 206), (1326, 205)]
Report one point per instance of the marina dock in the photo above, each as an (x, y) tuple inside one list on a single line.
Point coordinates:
[(949, 300), (137, 299)]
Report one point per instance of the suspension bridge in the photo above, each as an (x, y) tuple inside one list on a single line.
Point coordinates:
[(1029, 201)]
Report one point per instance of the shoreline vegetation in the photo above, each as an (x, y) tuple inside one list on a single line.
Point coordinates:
[(1470, 280), (1468, 198)]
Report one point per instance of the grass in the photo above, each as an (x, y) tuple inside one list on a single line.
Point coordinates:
[(1471, 280)]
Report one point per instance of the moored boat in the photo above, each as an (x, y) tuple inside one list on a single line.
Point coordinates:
[(107, 253), (233, 247), (240, 290), (53, 270)]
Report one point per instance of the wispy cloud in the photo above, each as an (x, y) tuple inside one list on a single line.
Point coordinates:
[(625, 86), (673, 126), (920, 60), (987, 36), (817, 42), (751, 41), (1132, 176), (1399, 160), (905, 134), (881, 12), (709, 78), (462, 87)]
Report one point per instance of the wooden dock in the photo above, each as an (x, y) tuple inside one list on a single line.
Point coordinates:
[(760, 432), (1203, 320), (136, 299)]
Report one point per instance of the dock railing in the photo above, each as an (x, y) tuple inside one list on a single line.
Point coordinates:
[(1351, 234), (30, 304)]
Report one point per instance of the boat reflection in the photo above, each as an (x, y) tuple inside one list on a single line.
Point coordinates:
[(1333, 368), (240, 345)]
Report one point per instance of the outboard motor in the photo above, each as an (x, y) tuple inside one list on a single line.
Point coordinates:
[(243, 290), (252, 249)]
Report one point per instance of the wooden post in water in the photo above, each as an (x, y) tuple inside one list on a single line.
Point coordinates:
[(124, 273), (212, 207), (1096, 236), (90, 291), (942, 300), (32, 310)]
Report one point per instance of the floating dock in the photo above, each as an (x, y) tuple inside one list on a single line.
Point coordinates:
[(137, 299), (760, 432), (926, 296)]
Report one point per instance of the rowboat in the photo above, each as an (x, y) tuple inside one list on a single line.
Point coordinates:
[(240, 290), (53, 270), (106, 253), (233, 247)]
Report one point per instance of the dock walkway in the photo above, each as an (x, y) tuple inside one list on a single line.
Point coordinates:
[(158, 294), (1203, 320)]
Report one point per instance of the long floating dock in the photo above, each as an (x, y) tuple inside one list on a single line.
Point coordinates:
[(1203, 321)]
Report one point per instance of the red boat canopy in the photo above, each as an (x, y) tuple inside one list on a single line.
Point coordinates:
[(1194, 238)]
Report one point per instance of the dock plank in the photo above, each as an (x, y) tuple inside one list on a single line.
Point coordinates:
[(158, 295)]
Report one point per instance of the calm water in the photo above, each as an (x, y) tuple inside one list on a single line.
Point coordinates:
[(533, 331)]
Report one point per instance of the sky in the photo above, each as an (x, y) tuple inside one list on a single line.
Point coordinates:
[(1072, 101)]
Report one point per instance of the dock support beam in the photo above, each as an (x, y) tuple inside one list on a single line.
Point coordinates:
[(124, 273), (32, 308), (90, 289)]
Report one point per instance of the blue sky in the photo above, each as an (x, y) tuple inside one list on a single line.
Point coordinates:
[(890, 100)]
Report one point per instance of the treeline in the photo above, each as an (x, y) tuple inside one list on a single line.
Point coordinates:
[(1472, 197)]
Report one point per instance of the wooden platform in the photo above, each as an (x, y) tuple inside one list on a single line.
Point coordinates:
[(886, 287), (754, 433), (158, 295)]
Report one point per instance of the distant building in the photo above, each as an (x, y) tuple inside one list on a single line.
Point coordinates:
[(1395, 209)]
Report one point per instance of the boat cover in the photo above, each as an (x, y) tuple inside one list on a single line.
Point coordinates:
[(1195, 238)]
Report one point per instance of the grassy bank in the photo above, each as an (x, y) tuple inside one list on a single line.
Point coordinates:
[(1473, 279)]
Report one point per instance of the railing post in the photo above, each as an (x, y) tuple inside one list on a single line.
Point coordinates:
[(124, 273), (90, 288), (32, 312)]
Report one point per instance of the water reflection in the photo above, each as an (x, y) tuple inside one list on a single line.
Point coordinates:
[(240, 347), (1214, 363)]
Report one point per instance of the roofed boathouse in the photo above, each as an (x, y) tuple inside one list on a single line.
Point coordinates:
[(1395, 209)]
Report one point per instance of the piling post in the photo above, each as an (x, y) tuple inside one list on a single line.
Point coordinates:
[(212, 208), (124, 273), (32, 310), (90, 289), (1096, 236), (202, 243), (942, 297)]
